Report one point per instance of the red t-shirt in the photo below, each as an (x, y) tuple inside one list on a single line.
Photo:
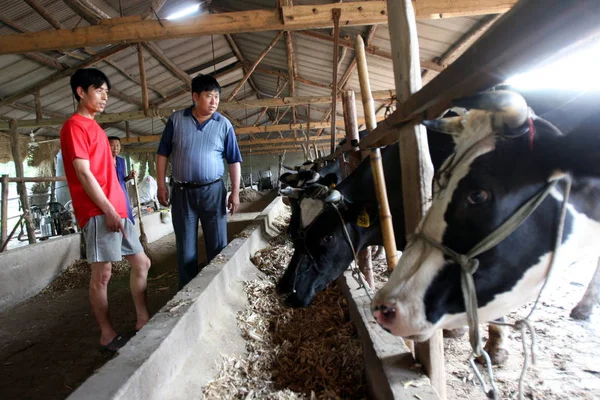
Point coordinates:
[(82, 137)]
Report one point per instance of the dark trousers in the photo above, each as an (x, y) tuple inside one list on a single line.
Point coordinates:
[(206, 204)]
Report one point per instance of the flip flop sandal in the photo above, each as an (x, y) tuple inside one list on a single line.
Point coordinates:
[(115, 344)]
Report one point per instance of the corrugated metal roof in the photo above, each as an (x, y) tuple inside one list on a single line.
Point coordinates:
[(314, 60)]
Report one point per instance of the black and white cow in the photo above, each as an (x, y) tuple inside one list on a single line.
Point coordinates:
[(503, 157)]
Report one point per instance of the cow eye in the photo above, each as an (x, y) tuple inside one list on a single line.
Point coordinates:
[(478, 196), (327, 239)]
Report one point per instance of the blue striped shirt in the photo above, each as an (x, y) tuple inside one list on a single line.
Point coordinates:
[(198, 149)]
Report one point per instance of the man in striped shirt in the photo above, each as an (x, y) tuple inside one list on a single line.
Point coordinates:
[(197, 140)]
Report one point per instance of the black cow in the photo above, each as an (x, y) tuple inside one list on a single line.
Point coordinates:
[(486, 180)]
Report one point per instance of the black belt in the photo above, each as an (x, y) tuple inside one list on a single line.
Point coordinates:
[(184, 184)]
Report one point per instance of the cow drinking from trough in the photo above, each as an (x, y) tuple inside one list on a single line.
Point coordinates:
[(503, 158)]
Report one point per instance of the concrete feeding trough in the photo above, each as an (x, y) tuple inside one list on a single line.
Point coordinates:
[(178, 351)]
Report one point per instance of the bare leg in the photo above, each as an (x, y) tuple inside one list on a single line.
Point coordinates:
[(584, 308), (98, 284), (140, 264)]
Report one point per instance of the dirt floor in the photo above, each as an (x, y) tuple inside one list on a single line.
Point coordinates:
[(567, 351), (49, 344)]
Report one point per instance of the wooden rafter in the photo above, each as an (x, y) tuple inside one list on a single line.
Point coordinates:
[(140, 53), (253, 66), (225, 106), (458, 48), (512, 45), (294, 18), (264, 110), (251, 130), (63, 74), (425, 64)]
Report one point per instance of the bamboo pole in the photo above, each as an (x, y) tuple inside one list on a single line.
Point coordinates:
[(334, 85), (416, 167), (21, 188), (385, 215), (365, 264), (4, 207)]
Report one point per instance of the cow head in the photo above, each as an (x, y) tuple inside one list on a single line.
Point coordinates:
[(324, 227), (494, 170)]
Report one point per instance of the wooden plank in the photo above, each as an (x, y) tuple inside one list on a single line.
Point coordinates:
[(315, 16), (416, 167), (514, 44), (225, 106)]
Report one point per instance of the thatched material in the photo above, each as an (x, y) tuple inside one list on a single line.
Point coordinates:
[(5, 149), (43, 156), (292, 353)]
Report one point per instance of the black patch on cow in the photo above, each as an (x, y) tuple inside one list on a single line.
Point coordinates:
[(511, 174)]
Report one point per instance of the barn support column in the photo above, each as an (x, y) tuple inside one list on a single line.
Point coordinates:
[(417, 170), (21, 187), (364, 261), (4, 209)]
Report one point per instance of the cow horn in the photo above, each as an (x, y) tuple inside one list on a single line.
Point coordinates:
[(333, 197), (511, 105), (294, 193), (449, 125)]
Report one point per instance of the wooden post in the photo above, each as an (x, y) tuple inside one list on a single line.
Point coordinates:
[(281, 158), (365, 263), (21, 187), (336, 12), (385, 216), (4, 208), (417, 170), (143, 80)]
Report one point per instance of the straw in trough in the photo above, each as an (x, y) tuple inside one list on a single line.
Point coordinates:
[(292, 353)]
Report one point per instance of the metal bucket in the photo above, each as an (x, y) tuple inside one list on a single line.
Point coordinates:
[(46, 227)]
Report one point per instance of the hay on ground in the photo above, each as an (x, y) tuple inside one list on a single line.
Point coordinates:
[(248, 195), (292, 353), (77, 275)]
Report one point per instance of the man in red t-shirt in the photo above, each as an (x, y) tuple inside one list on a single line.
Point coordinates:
[(99, 203)]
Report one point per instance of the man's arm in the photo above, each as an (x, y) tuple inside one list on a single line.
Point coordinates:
[(93, 189), (233, 202), (161, 173), (162, 156)]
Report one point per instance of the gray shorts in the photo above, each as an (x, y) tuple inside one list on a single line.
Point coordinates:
[(103, 245)]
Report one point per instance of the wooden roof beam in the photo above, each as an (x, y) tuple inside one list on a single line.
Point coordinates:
[(458, 48), (166, 112), (244, 130), (63, 74), (512, 45), (349, 44), (250, 70), (294, 18)]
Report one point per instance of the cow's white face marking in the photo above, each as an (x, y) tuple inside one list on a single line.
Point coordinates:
[(420, 262), (310, 209)]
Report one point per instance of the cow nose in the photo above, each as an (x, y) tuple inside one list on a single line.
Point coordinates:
[(384, 313)]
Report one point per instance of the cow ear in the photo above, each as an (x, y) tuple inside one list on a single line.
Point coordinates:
[(577, 152)]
